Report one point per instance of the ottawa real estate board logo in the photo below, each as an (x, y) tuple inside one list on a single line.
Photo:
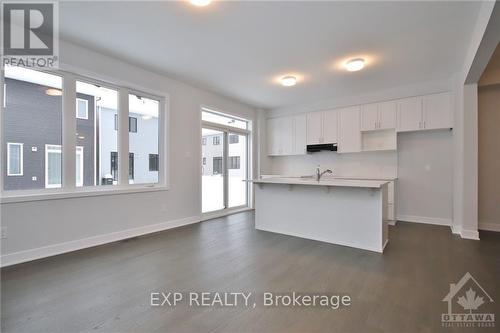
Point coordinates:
[(468, 305), (30, 34)]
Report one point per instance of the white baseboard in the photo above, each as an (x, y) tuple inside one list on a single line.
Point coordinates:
[(489, 226), (456, 229), (469, 234), (51, 250), (424, 219)]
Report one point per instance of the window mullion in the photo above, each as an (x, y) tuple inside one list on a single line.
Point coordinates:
[(69, 132), (123, 136)]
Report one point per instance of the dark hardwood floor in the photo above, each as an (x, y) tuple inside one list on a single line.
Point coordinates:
[(107, 288)]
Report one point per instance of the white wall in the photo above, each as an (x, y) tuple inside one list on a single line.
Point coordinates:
[(368, 164), (425, 176), (37, 224)]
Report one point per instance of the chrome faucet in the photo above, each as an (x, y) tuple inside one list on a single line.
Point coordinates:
[(319, 173)]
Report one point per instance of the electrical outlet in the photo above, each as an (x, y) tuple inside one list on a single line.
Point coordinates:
[(3, 232)]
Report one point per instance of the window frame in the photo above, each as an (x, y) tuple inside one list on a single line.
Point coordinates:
[(86, 108), (68, 189), (21, 159)]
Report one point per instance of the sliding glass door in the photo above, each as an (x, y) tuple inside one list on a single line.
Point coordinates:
[(224, 164), (237, 170), (212, 170)]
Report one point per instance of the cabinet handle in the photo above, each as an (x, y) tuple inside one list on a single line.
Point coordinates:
[(424, 124), (420, 125)]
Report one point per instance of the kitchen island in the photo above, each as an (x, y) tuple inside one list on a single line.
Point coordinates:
[(349, 212)]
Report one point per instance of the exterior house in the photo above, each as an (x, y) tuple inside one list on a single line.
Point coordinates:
[(33, 135), (212, 149)]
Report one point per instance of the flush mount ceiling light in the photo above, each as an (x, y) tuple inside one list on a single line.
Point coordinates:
[(288, 81), (354, 65), (53, 92), (200, 3)]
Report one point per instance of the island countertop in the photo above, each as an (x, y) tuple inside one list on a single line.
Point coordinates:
[(330, 181)]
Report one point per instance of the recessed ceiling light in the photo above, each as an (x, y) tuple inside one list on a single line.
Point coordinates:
[(288, 81), (53, 92), (200, 3), (354, 65)]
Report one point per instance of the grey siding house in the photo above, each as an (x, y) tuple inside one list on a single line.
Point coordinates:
[(33, 119)]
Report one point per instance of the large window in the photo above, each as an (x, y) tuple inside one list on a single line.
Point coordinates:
[(32, 129), (143, 139), (224, 162), (95, 134), (32, 123)]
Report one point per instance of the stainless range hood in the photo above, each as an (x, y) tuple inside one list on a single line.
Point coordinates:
[(320, 147)]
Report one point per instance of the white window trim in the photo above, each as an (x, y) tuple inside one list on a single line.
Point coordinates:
[(21, 159), (56, 149), (82, 74), (86, 108), (79, 151)]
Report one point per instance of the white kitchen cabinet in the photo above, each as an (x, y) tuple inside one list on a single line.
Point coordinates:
[(286, 136), (322, 127), (378, 116), (314, 128), (425, 112), (369, 117), (299, 135), (387, 115), (272, 136), (437, 111), (330, 126), (409, 114), (349, 138)]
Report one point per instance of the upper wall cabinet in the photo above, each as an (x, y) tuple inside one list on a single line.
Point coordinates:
[(410, 114), (286, 135), (349, 130), (424, 113), (322, 127), (437, 111), (378, 116)]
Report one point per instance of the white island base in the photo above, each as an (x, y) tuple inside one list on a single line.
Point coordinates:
[(338, 212)]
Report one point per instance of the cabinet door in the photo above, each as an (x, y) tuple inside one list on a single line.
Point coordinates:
[(314, 128), (369, 117), (387, 115), (349, 130), (286, 136), (410, 114), (300, 125), (330, 126), (437, 111), (272, 136)]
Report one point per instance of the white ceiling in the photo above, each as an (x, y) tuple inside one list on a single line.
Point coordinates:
[(239, 48)]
